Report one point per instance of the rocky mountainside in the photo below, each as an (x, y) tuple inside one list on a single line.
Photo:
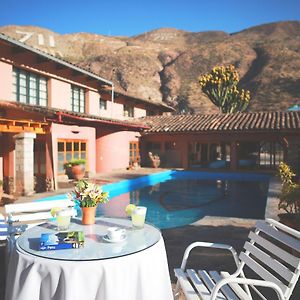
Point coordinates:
[(164, 64)]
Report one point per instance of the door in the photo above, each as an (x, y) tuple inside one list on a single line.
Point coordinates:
[(134, 153)]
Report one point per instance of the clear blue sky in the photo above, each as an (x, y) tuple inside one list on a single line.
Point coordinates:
[(131, 17)]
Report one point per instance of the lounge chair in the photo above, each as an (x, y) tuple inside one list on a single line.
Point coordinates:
[(272, 252), (3, 228)]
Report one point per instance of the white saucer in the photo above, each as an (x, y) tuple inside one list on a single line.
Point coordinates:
[(107, 239)]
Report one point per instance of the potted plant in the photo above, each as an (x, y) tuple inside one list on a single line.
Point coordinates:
[(87, 196), (289, 198), (77, 168), (68, 169)]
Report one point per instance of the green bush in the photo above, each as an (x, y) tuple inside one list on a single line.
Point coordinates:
[(289, 198), (74, 162)]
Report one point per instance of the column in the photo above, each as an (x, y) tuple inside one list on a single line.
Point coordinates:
[(24, 163), (49, 164), (8, 164), (185, 154), (233, 156)]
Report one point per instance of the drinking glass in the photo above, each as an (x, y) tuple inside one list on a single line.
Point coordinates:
[(63, 218), (138, 217)]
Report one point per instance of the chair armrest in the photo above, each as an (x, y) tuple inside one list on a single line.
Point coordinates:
[(247, 281), (208, 245)]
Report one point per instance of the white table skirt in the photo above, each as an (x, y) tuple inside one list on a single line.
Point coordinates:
[(141, 276)]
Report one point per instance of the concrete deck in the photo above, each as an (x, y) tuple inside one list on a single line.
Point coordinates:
[(232, 231)]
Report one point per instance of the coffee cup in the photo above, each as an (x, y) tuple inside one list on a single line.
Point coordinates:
[(116, 233)]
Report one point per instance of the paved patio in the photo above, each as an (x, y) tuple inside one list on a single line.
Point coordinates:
[(233, 231)]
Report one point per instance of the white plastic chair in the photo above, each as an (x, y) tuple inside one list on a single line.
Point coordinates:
[(272, 252), (3, 228), (19, 217)]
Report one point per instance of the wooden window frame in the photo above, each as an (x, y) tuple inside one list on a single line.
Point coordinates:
[(64, 141), (80, 101), (137, 157), (16, 91), (128, 111), (102, 104)]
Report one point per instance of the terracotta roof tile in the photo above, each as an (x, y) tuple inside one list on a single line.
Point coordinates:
[(259, 121)]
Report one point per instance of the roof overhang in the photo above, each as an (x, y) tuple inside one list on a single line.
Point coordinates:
[(48, 57), (18, 126), (67, 117)]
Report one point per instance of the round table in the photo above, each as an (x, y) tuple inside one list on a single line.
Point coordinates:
[(136, 268)]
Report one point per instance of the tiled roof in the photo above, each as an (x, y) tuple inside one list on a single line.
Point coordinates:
[(53, 58), (53, 113), (260, 121)]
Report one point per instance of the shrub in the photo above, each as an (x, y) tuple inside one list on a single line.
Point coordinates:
[(74, 162), (289, 198)]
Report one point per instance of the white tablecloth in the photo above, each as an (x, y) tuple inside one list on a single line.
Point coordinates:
[(140, 276)]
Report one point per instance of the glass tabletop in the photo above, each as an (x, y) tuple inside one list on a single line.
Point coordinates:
[(95, 246)]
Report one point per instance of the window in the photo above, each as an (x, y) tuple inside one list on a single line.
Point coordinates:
[(134, 152), (170, 146), (68, 150), (128, 111), (150, 113), (103, 104), (78, 99), (153, 146), (270, 154), (29, 88)]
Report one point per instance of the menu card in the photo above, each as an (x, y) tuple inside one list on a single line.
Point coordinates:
[(61, 240)]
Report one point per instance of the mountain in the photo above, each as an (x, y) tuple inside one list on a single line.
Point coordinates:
[(165, 64)]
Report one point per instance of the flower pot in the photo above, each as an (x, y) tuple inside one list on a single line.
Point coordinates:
[(88, 215), (78, 171)]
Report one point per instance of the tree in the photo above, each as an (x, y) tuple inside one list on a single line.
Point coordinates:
[(220, 86)]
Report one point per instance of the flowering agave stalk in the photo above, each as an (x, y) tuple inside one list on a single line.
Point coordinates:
[(89, 194), (220, 86)]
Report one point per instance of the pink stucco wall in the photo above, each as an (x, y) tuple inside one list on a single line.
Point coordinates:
[(92, 106), (6, 82), (59, 94), (112, 149), (139, 112), (107, 113), (64, 132), (118, 109)]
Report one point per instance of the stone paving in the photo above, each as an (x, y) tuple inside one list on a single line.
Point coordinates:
[(232, 231)]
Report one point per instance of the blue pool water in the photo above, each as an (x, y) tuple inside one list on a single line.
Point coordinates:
[(177, 198)]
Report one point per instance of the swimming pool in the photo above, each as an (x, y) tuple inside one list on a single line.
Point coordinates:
[(177, 198)]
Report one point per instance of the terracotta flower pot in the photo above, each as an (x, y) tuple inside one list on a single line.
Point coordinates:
[(78, 171), (88, 215)]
